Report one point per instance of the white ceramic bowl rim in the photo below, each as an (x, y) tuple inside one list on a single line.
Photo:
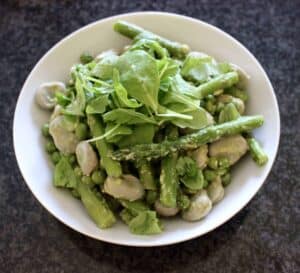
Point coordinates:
[(142, 242)]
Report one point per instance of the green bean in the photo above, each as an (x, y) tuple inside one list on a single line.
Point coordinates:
[(146, 175), (168, 178), (257, 153), (96, 206), (112, 167), (132, 31)]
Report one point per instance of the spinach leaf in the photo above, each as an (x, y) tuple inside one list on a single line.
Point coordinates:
[(116, 134), (121, 92), (104, 68), (127, 116), (141, 134), (200, 68), (97, 105), (139, 75), (76, 107)]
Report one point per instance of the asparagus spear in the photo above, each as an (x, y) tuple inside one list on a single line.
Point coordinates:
[(192, 141), (132, 31), (96, 206), (257, 153), (168, 177), (112, 167), (146, 175), (219, 82)]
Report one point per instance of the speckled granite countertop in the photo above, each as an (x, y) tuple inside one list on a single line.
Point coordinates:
[(263, 237)]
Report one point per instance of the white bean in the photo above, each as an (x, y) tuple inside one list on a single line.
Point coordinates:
[(243, 75), (126, 187), (65, 140), (200, 206), (45, 94), (230, 147), (215, 190), (86, 157), (165, 211)]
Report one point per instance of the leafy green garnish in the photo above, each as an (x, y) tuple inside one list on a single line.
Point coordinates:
[(97, 105), (139, 75), (64, 175)]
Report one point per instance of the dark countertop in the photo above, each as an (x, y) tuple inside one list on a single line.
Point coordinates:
[(263, 237)]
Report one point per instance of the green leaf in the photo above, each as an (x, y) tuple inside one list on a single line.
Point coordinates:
[(168, 114), (104, 69), (97, 105), (121, 92), (141, 134), (200, 68), (64, 175), (179, 85), (139, 75), (127, 116), (77, 106), (145, 223), (151, 47), (200, 118), (120, 131)]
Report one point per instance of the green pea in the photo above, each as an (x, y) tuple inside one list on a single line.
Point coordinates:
[(98, 177), (151, 197), (209, 175), (50, 146), (86, 58), (82, 131), (45, 130), (77, 171), (213, 163), (87, 180), (55, 157), (226, 179), (71, 159), (183, 201), (224, 162)]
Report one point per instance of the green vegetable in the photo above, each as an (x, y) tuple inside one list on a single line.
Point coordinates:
[(183, 201), (86, 58), (235, 92), (139, 75), (145, 223), (50, 146), (98, 177), (228, 113), (188, 142), (200, 67), (257, 153), (226, 179), (189, 174), (219, 82), (97, 105), (146, 175), (82, 131), (132, 31), (96, 206), (150, 46), (45, 130), (55, 157), (213, 163), (87, 180), (127, 116), (64, 175), (210, 175), (151, 197), (104, 68), (168, 177), (112, 167)]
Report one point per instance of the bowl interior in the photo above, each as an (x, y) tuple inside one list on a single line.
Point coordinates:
[(55, 65)]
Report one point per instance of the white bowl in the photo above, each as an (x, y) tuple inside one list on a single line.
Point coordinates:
[(96, 37)]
